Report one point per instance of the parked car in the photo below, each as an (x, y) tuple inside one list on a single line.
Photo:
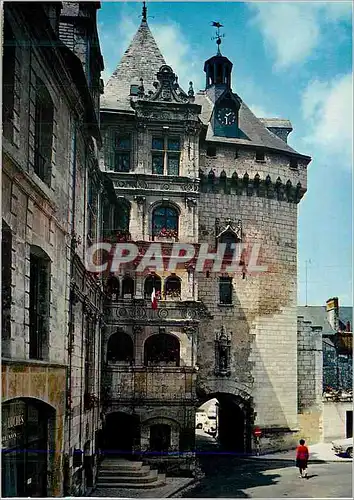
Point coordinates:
[(343, 446)]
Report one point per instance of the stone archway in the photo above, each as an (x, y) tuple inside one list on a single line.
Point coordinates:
[(234, 422), (121, 434)]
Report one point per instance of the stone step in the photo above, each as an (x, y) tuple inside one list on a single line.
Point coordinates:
[(120, 464), (149, 478), (160, 481), (118, 471)]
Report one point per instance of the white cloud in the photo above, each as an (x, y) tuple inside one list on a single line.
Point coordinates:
[(327, 108), (260, 112), (293, 31), (178, 54)]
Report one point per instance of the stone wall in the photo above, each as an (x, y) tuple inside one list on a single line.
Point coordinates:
[(310, 376), (262, 318), (334, 419)]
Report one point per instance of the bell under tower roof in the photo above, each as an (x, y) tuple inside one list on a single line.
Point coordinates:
[(142, 60)]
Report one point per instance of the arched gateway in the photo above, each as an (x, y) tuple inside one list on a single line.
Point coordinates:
[(233, 421)]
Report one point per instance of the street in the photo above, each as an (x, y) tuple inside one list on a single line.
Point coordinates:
[(231, 477)]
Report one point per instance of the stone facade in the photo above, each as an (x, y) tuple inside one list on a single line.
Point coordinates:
[(310, 380), (241, 350), (51, 304)]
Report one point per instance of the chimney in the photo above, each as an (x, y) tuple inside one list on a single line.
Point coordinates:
[(332, 308)]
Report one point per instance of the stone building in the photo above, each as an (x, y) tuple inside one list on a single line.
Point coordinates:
[(199, 168), (325, 371), (52, 307)]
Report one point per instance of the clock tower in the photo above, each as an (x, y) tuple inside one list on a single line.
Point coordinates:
[(218, 88)]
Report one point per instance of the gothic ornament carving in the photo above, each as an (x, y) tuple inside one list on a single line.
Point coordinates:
[(140, 200), (223, 353), (137, 329), (229, 228), (191, 202), (167, 88)]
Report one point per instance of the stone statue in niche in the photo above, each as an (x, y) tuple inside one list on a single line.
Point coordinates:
[(222, 353)]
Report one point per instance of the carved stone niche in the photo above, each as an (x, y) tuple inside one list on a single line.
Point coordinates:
[(223, 353), (230, 228)]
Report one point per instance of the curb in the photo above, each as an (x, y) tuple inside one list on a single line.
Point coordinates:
[(193, 482), (311, 461)]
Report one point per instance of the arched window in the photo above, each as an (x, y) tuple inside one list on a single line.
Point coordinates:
[(165, 222), (173, 288), (230, 239), (128, 287), (112, 288), (162, 350), (151, 282), (120, 347), (160, 437)]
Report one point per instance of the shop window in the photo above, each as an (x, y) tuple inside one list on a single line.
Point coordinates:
[(151, 282), (120, 347), (6, 279), (173, 288), (39, 302), (44, 125), (160, 437), (162, 350), (165, 156), (128, 287), (225, 290), (165, 222)]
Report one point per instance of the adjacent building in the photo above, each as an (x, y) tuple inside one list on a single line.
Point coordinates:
[(52, 193), (325, 371)]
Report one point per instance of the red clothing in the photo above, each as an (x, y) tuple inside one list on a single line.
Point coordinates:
[(302, 452)]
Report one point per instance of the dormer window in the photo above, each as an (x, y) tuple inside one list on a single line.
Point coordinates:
[(260, 155), (134, 89)]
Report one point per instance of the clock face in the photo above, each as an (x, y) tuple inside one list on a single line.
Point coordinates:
[(226, 116)]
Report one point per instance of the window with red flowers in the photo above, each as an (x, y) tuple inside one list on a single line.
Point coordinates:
[(165, 222)]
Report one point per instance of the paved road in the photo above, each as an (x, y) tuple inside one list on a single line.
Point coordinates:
[(231, 477)]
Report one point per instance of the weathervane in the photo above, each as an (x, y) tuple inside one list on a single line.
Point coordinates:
[(144, 15), (218, 36)]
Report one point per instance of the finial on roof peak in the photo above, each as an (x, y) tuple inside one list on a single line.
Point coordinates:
[(144, 15), (218, 36)]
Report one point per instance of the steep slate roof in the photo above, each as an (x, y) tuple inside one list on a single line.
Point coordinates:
[(249, 124), (318, 317), (142, 59), (345, 315)]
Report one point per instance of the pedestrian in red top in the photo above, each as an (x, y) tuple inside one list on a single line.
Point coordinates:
[(302, 457)]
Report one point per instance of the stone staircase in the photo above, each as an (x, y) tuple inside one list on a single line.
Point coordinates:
[(121, 473)]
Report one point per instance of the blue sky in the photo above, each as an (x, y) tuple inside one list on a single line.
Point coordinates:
[(291, 60)]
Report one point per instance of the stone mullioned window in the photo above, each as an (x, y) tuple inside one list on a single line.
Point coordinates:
[(165, 156)]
